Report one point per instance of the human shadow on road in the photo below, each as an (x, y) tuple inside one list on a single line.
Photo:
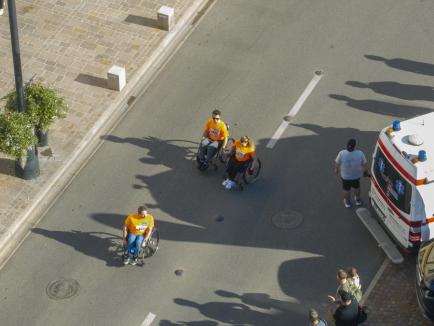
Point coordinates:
[(385, 108), (249, 313), (405, 64), (166, 322), (184, 193), (394, 89), (100, 245)]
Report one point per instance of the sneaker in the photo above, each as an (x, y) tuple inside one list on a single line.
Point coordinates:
[(347, 203), (230, 184), (225, 182), (135, 261), (358, 201), (126, 260)]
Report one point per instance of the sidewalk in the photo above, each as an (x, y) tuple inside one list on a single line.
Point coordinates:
[(71, 45), (393, 299)]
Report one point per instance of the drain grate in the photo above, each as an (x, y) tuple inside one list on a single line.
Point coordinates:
[(219, 218), (288, 219), (62, 289), (179, 272)]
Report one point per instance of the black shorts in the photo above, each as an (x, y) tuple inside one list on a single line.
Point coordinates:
[(348, 184)]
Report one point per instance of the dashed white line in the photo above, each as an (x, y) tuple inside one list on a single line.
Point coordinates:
[(294, 110), (149, 319)]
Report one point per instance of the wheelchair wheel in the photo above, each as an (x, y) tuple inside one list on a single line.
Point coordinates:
[(252, 172), (151, 246)]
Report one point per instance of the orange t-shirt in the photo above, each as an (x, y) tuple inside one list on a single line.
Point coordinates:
[(243, 153), (216, 131), (139, 225)]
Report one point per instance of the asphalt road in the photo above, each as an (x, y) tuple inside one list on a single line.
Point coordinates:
[(252, 59)]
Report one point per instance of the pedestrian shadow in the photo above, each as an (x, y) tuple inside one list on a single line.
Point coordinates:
[(142, 21), (7, 166), (384, 108), (166, 322), (249, 312), (394, 89), (100, 245), (405, 64), (91, 80)]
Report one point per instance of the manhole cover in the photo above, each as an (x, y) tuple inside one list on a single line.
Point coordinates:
[(179, 272), (62, 289), (287, 220), (219, 218)]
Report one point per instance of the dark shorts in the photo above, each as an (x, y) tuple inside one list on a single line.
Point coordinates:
[(348, 184)]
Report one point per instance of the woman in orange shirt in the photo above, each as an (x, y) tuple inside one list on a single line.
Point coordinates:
[(242, 153)]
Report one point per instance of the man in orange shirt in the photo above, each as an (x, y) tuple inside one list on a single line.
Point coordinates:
[(137, 227), (242, 153), (215, 136)]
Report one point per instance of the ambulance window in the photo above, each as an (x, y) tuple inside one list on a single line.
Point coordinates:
[(394, 185)]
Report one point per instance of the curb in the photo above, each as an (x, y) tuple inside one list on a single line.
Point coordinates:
[(90, 143)]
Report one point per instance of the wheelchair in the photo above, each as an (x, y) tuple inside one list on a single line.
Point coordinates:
[(220, 158), (148, 248), (249, 174)]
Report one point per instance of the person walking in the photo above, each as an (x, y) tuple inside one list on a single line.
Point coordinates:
[(352, 165), (347, 314), (315, 320)]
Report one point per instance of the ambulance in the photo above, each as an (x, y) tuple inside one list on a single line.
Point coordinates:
[(402, 180)]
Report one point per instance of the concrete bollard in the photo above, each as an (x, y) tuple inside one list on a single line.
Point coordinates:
[(116, 78), (165, 17)]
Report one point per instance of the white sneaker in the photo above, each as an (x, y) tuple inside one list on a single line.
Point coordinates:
[(225, 182), (230, 184)]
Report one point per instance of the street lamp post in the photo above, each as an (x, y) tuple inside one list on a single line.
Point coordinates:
[(26, 167)]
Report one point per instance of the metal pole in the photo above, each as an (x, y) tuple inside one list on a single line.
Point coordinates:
[(25, 167), (16, 55)]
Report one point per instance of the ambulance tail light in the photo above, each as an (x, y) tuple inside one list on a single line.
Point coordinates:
[(414, 236)]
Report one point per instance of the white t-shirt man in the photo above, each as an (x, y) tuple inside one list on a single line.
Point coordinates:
[(351, 164)]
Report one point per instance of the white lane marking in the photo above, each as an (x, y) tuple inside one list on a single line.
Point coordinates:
[(149, 319), (294, 110)]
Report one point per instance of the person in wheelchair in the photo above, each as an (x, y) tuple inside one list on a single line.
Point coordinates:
[(137, 229), (241, 154), (215, 137)]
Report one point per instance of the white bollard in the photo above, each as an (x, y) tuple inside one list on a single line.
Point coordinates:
[(165, 17), (116, 78)]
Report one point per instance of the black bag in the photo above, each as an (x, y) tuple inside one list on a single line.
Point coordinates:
[(362, 316)]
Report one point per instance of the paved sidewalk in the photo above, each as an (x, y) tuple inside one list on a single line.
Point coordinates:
[(71, 44), (393, 299)]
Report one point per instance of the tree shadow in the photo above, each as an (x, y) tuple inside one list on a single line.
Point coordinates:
[(381, 107), (103, 246), (405, 64), (394, 89)]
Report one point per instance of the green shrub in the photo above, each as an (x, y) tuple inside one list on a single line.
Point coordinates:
[(43, 104), (16, 134)]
